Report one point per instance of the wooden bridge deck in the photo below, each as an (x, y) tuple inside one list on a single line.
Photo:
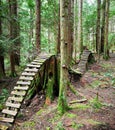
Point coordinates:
[(82, 66), (18, 94)]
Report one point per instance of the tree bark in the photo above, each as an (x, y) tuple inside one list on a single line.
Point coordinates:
[(13, 35), (98, 29), (58, 38), (38, 25), (70, 30), (103, 26), (2, 69), (106, 49), (75, 30), (79, 39), (62, 102)]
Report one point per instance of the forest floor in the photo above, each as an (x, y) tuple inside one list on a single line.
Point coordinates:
[(97, 86)]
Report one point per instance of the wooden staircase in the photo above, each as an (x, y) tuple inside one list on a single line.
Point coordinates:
[(18, 94)]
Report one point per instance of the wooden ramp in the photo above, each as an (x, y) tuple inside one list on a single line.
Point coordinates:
[(18, 94), (86, 57)]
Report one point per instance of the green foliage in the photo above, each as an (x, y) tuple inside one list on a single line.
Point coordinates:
[(76, 126), (4, 95), (60, 126), (95, 103)]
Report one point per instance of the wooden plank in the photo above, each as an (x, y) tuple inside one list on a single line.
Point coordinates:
[(23, 83), (28, 74), (9, 112), (39, 60), (8, 120), (19, 93), (36, 63), (31, 70), (14, 105), (21, 88), (26, 78), (17, 99), (31, 65)]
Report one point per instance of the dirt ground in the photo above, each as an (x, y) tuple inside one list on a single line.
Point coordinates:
[(97, 112)]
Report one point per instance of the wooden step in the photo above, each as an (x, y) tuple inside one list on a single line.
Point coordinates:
[(42, 57), (31, 65), (17, 99), (28, 74), (21, 88), (36, 63), (8, 120), (39, 60), (26, 78), (31, 70), (23, 83), (14, 105), (9, 112), (19, 93)]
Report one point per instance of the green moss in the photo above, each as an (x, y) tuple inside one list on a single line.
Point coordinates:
[(49, 90), (62, 104), (95, 103), (70, 115), (59, 126), (76, 126), (80, 106), (95, 83), (93, 122), (39, 112), (29, 124)]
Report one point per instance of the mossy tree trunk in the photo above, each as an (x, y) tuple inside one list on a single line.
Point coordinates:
[(106, 49), (62, 101)]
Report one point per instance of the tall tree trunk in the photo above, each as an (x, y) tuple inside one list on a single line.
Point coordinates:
[(31, 27), (79, 39), (103, 26), (75, 30), (62, 102), (70, 30), (2, 69), (13, 34), (98, 29), (106, 49), (38, 25), (58, 37), (49, 35)]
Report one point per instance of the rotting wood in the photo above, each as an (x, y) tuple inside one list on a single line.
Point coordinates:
[(78, 101)]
